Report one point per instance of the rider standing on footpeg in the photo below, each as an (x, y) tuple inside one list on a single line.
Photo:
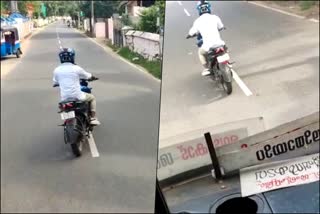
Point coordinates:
[(208, 26), (68, 75)]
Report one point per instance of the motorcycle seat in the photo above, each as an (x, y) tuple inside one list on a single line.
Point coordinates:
[(75, 101), (217, 50)]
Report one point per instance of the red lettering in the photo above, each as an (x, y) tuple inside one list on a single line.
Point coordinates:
[(234, 138), (183, 151), (216, 142), (190, 152), (226, 141), (201, 150)]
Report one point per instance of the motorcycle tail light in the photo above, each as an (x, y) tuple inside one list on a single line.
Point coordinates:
[(69, 121), (69, 105)]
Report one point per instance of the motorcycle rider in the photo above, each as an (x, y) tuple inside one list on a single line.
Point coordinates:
[(208, 26), (68, 75)]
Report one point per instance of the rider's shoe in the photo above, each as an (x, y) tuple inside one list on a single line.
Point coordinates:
[(94, 122), (205, 72)]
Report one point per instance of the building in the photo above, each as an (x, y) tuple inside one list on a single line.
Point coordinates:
[(132, 8)]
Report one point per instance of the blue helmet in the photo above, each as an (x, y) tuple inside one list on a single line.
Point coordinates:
[(67, 55), (203, 7)]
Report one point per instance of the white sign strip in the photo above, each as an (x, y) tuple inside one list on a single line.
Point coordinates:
[(299, 142), (192, 154), (93, 147), (271, 133), (266, 177)]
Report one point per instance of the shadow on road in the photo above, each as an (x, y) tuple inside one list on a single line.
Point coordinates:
[(310, 61)]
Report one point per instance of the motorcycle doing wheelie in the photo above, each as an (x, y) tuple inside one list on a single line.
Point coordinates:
[(219, 65), (76, 115)]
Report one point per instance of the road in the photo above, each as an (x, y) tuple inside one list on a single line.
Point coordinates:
[(277, 58), (38, 171)]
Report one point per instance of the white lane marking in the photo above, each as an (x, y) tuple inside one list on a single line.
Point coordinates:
[(58, 38), (185, 10), (314, 20), (93, 147), (180, 3), (282, 11), (241, 84)]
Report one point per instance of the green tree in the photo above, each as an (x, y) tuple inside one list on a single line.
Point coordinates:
[(102, 9), (4, 6), (22, 7), (148, 17)]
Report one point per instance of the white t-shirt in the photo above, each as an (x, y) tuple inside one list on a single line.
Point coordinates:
[(208, 26), (68, 76)]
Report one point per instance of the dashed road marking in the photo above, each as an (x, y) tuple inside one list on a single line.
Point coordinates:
[(185, 10)]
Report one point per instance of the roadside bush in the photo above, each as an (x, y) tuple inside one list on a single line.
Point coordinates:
[(148, 17), (305, 5)]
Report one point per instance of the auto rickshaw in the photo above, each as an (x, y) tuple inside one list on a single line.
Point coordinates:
[(10, 41)]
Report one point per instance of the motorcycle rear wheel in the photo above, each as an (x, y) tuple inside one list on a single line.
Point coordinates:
[(76, 149), (227, 86)]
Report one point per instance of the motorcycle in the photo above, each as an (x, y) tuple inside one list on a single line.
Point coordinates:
[(76, 116), (219, 65)]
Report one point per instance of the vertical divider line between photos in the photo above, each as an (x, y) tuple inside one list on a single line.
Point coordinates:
[(161, 205)]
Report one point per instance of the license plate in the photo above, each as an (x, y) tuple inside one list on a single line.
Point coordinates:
[(67, 115), (223, 58)]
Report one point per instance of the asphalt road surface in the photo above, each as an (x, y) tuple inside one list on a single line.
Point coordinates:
[(277, 58), (39, 172)]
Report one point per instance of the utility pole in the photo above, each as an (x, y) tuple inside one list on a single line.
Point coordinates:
[(79, 20), (92, 17), (14, 6)]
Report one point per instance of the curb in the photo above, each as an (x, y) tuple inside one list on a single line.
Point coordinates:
[(283, 12), (112, 53)]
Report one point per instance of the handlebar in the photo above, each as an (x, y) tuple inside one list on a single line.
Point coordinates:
[(93, 78), (189, 36)]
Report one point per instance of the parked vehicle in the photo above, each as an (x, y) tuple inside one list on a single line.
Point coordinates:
[(10, 41)]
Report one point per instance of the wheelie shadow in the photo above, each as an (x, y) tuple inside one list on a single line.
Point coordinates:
[(54, 149), (202, 90)]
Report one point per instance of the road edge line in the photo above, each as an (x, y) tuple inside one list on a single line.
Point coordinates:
[(283, 12), (112, 53)]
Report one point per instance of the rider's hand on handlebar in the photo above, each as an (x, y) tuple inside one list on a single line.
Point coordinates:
[(93, 78)]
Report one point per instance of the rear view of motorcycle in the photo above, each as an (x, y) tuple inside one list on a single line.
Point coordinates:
[(219, 65), (76, 116)]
